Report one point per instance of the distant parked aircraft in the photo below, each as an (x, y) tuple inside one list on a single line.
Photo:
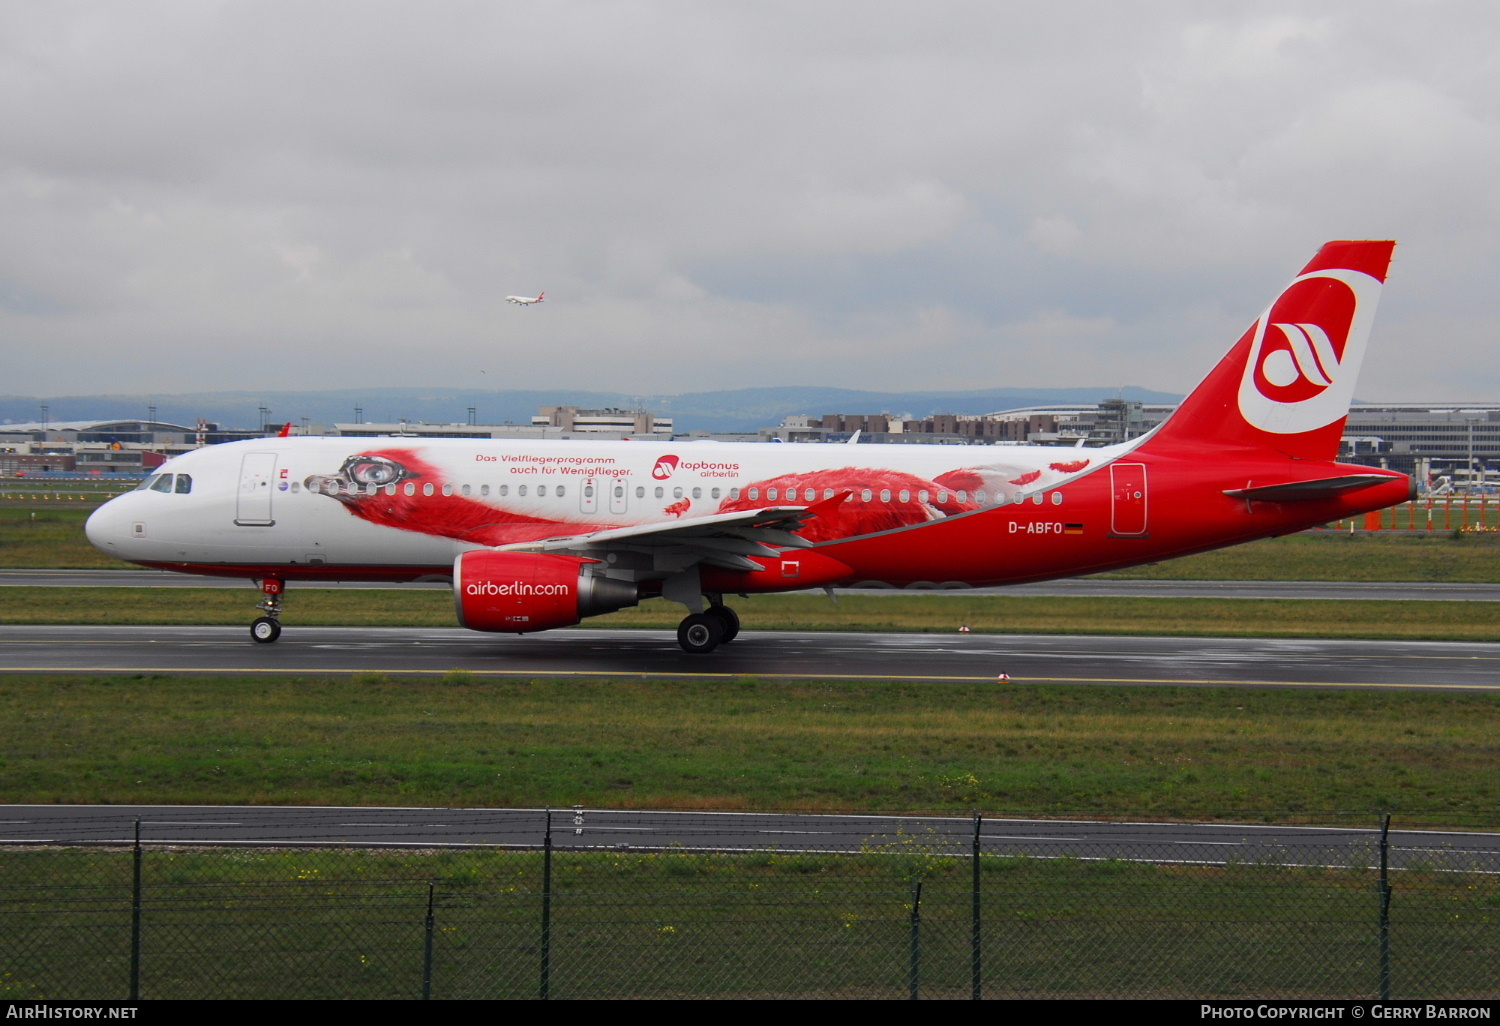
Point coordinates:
[(524, 300)]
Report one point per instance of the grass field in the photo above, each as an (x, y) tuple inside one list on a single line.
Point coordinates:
[(1312, 618), (1332, 556), (749, 744), (49, 536)]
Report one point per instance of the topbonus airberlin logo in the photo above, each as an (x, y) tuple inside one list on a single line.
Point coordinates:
[(665, 467), (1306, 353)]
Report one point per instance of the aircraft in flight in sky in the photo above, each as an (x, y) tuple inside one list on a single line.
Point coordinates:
[(525, 300), (540, 534)]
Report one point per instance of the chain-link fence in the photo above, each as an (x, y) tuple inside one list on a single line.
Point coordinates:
[(764, 907)]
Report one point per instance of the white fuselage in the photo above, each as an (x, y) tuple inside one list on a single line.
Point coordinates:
[(268, 503)]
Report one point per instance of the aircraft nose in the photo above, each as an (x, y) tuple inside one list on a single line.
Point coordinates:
[(105, 528)]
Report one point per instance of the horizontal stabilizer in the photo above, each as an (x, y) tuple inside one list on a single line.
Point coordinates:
[(1299, 491)]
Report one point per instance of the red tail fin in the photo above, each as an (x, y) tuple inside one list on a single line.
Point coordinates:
[(1287, 383), (286, 431)]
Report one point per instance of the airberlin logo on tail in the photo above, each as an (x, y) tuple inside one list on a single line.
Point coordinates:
[(665, 468), (1304, 363), (1307, 350)]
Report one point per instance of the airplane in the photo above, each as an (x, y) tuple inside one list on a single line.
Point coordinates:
[(535, 535), (525, 300)]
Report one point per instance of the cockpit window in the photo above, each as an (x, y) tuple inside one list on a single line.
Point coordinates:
[(147, 483), (162, 483), (184, 484)]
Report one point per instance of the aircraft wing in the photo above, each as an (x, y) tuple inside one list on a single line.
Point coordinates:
[(722, 539)]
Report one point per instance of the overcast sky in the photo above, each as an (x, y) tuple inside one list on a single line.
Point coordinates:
[(200, 195)]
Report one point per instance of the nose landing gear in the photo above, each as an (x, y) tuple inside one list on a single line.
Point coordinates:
[(266, 629)]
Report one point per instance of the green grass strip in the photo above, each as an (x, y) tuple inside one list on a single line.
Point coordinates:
[(744, 743), (1190, 617)]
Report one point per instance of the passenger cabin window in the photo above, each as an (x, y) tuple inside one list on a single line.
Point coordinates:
[(661, 493), (755, 494), (184, 484), (885, 495), (484, 489), (734, 493), (640, 492), (1057, 498), (866, 495), (427, 488), (560, 491), (541, 491)]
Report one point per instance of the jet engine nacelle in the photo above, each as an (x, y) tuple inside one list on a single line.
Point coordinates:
[(521, 592)]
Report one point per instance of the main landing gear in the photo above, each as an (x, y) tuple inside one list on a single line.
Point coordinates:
[(267, 629), (706, 631)]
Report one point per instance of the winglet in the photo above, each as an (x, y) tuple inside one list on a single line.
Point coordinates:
[(828, 507)]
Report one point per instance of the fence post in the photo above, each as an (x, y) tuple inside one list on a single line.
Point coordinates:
[(427, 945), (135, 917), (547, 910), (976, 960), (914, 975), (1385, 910)]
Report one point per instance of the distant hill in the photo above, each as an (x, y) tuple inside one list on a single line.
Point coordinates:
[(742, 409)]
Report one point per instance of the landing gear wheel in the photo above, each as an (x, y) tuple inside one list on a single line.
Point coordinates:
[(700, 633), (731, 621), (265, 630)]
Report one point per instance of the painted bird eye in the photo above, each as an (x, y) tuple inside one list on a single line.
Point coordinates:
[(372, 470)]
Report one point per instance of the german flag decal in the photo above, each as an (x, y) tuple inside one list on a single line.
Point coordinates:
[(1072, 528)]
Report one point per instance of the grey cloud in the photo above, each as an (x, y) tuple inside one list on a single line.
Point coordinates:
[(876, 194)]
